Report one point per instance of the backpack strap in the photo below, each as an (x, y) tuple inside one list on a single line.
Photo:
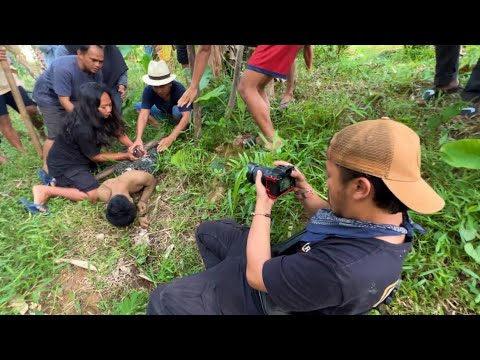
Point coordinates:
[(279, 249)]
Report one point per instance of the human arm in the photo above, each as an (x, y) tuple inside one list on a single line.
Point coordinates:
[(112, 156), (141, 123), (182, 125), (258, 241), (147, 103), (150, 183), (201, 61), (122, 85), (63, 86), (83, 136), (310, 200), (308, 55), (125, 140), (66, 103)]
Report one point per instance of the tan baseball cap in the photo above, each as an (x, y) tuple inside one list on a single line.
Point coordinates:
[(390, 151)]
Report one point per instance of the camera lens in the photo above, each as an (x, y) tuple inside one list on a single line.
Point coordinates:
[(252, 172)]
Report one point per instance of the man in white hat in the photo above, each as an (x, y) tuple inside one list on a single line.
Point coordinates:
[(161, 96)]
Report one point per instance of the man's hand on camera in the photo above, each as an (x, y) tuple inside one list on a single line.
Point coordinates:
[(301, 182), (264, 203)]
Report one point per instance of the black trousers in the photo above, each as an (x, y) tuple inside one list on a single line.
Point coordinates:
[(182, 54), (222, 288), (446, 70)]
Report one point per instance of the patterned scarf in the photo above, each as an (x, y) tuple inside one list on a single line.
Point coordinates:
[(325, 224)]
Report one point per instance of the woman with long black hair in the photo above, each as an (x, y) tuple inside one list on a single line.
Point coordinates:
[(74, 154)]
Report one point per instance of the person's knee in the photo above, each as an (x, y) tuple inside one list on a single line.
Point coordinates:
[(242, 88), (206, 227), (214, 227), (155, 303), (138, 106), (176, 113), (5, 121)]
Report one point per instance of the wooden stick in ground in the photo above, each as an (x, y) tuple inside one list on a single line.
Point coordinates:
[(110, 170), (236, 81), (32, 68), (197, 118), (21, 106)]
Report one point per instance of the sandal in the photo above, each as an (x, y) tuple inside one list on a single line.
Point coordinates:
[(431, 94), (45, 178), (34, 208), (470, 111)]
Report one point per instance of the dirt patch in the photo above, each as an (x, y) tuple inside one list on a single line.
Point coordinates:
[(465, 127), (239, 144), (218, 191), (76, 294), (125, 275)]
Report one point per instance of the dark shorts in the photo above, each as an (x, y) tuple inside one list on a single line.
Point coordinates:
[(7, 99), (54, 119), (78, 178)]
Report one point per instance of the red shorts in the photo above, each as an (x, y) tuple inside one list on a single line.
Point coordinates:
[(273, 60)]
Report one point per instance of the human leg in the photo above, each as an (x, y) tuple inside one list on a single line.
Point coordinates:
[(291, 79), (252, 90), (218, 239), (152, 117), (472, 90), (54, 117), (446, 67), (9, 132)]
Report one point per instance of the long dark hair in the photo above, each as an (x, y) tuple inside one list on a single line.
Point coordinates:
[(86, 115)]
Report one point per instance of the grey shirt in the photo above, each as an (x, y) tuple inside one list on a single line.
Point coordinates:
[(62, 78)]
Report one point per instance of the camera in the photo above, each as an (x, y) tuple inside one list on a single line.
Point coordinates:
[(277, 181)]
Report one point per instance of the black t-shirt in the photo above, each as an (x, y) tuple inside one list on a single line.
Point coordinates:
[(64, 155), (335, 276)]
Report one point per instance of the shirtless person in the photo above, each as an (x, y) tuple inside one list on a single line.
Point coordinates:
[(116, 192)]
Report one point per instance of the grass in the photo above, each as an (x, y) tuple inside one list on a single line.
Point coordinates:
[(206, 181)]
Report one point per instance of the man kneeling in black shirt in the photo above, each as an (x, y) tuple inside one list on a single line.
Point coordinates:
[(346, 261)]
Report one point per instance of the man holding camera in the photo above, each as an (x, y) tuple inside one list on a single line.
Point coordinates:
[(348, 259)]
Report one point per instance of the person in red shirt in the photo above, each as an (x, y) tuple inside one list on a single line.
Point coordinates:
[(266, 63)]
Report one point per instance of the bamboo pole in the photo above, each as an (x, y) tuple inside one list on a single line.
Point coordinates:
[(21, 106), (236, 81), (197, 121), (32, 68)]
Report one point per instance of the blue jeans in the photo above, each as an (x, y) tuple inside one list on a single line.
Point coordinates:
[(174, 117)]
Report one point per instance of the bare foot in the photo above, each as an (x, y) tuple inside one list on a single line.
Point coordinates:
[(40, 195), (269, 145), (451, 85), (2, 160), (286, 99)]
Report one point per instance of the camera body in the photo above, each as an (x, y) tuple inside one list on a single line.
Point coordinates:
[(277, 181)]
